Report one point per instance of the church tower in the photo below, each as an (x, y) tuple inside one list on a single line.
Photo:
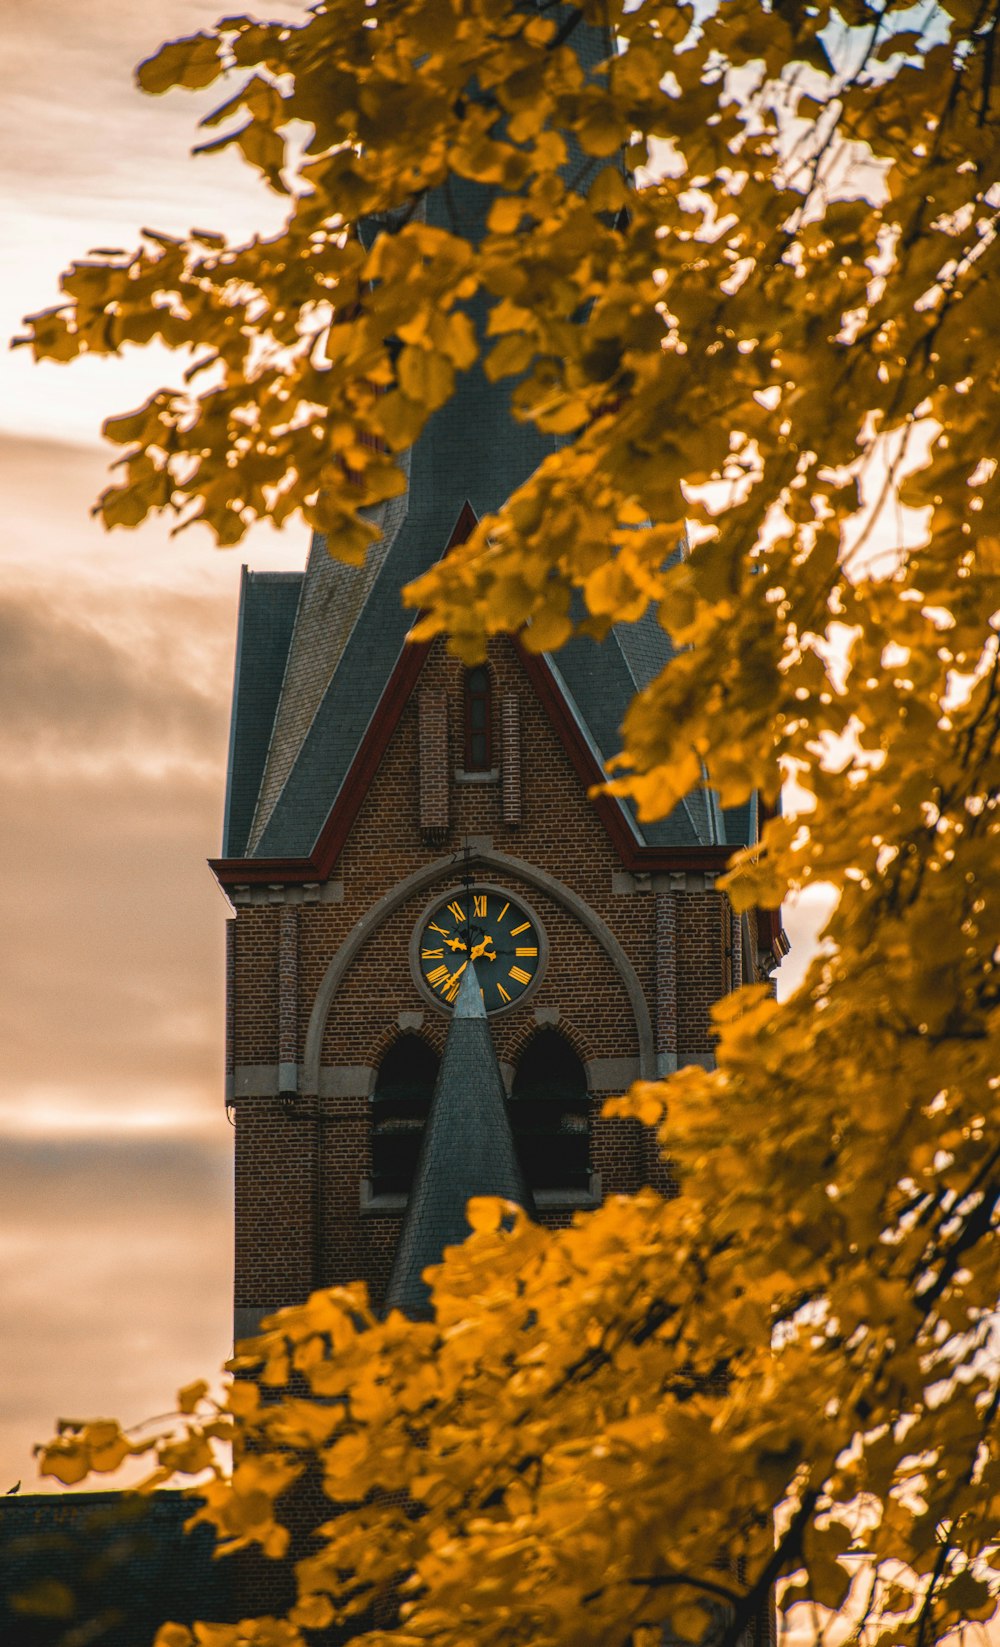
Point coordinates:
[(394, 820)]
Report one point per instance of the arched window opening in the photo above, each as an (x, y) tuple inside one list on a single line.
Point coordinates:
[(549, 1111), (401, 1103), (478, 720)]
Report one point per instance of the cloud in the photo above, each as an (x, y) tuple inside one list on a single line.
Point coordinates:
[(88, 161), (115, 1268), (72, 693), (111, 968)]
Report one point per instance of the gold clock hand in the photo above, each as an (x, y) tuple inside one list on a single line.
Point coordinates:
[(456, 943), (481, 949)]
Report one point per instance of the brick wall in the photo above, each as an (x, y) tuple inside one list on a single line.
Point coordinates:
[(300, 1167)]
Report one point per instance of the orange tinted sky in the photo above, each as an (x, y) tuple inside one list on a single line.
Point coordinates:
[(115, 662)]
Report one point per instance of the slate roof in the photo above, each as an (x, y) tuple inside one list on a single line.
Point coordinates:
[(349, 626), (314, 653), (126, 1563), (268, 604), (468, 1150)]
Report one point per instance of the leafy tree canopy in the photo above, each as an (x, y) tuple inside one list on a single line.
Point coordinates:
[(780, 330)]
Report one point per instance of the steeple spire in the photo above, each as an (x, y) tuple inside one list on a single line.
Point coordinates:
[(468, 1150)]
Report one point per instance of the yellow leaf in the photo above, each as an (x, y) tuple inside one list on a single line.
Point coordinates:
[(512, 355), (600, 132), (505, 215), (191, 62), (189, 1397), (313, 1612), (400, 419), (66, 1459), (455, 334), (608, 193), (425, 376), (486, 1213), (173, 1635), (242, 1398)]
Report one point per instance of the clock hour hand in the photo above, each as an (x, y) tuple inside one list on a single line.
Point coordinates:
[(456, 943), (482, 948)]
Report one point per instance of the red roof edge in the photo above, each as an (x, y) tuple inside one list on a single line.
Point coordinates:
[(634, 856)]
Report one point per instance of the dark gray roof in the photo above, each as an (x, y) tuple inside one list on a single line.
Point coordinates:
[(472, 451), (350, 628), (468, 1150), (268, 602), (125, 1560)]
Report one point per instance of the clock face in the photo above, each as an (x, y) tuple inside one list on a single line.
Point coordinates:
[(487, 926)]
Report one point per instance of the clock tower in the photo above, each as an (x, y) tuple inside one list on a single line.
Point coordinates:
[(393, 818)]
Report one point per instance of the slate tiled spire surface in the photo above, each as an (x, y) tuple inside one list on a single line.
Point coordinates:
[(468, 1150)]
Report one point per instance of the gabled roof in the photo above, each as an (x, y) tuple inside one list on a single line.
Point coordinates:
[(328, 757), (468, 1150), (347, 640), (268, 603)]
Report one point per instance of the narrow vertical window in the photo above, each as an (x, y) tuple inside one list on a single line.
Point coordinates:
[(400, 1105), (478, 720), (549, 1114)]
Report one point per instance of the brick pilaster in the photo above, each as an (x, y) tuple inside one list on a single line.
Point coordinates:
[(433, 756), (288, 998), (736, 950), (665, 1016), (510, 726), (230, 1007)]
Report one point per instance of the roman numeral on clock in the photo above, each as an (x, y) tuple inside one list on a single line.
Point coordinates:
[(479, 905), (519, 975)]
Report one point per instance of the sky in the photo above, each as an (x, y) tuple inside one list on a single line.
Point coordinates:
[(115, 677)]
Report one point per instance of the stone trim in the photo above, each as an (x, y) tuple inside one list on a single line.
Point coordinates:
[(546, 1200), (335, 1081), (668, 1063), (248, 1317), (307, 892), (624, 882), (611, 1074)]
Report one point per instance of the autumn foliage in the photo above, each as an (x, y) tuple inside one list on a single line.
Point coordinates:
[(775, 322)]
